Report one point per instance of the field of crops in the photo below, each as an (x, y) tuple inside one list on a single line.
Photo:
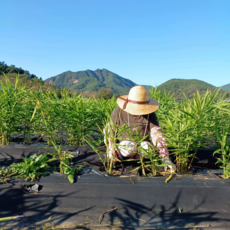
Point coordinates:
[(188, 125)]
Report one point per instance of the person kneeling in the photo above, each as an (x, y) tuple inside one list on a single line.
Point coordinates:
[(137, 111)]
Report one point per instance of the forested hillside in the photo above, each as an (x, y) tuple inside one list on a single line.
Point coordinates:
[(100, 83), (189, 87), (25, 78), (12, 69), (92, 81), (226, 87)]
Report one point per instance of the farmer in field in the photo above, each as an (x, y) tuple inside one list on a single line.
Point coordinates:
[(136, 110)]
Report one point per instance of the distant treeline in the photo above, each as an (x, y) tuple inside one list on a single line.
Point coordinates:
[(4, 68)]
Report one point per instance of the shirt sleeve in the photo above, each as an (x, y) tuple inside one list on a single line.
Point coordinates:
[(153, 120), (156, 136), (115, 115), (159, 141)]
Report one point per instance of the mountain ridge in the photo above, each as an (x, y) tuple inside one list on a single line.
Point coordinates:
[(92, 81), (89, 82), (226, 87), (188, 86)]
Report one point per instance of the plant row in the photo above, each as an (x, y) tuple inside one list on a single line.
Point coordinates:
[(187, 125)]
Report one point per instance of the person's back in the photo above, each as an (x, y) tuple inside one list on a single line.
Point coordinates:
[(144, 123)]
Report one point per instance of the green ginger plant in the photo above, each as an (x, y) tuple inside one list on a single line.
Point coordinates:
[(12, 98), (81, 121), (58, 154), (187, 125), (31, 169), (65, 165), (50, 113), (111, 136), (223, 140)]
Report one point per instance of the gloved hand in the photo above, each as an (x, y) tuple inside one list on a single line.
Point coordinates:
[(170, 167)]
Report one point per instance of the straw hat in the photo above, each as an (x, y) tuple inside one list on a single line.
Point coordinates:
[(137, 102)]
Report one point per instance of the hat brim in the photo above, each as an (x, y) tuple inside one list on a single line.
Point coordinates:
[(138, 109)]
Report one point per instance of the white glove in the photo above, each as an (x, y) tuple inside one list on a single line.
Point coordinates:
[(129, 149), (170, 167)]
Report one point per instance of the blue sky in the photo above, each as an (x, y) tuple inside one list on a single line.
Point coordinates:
[(146, 41)]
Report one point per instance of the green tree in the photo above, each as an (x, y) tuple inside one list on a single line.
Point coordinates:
[(105, 93)]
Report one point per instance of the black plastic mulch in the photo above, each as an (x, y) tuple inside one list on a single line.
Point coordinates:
[(200, 200), (16, 152), (186, 201)]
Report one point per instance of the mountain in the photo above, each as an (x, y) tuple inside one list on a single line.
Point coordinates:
[(92, 81), (225, 87), (147, 87), (189, 87)]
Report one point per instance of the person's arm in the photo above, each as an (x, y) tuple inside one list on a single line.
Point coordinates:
[(156, 135), (160, 142)]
